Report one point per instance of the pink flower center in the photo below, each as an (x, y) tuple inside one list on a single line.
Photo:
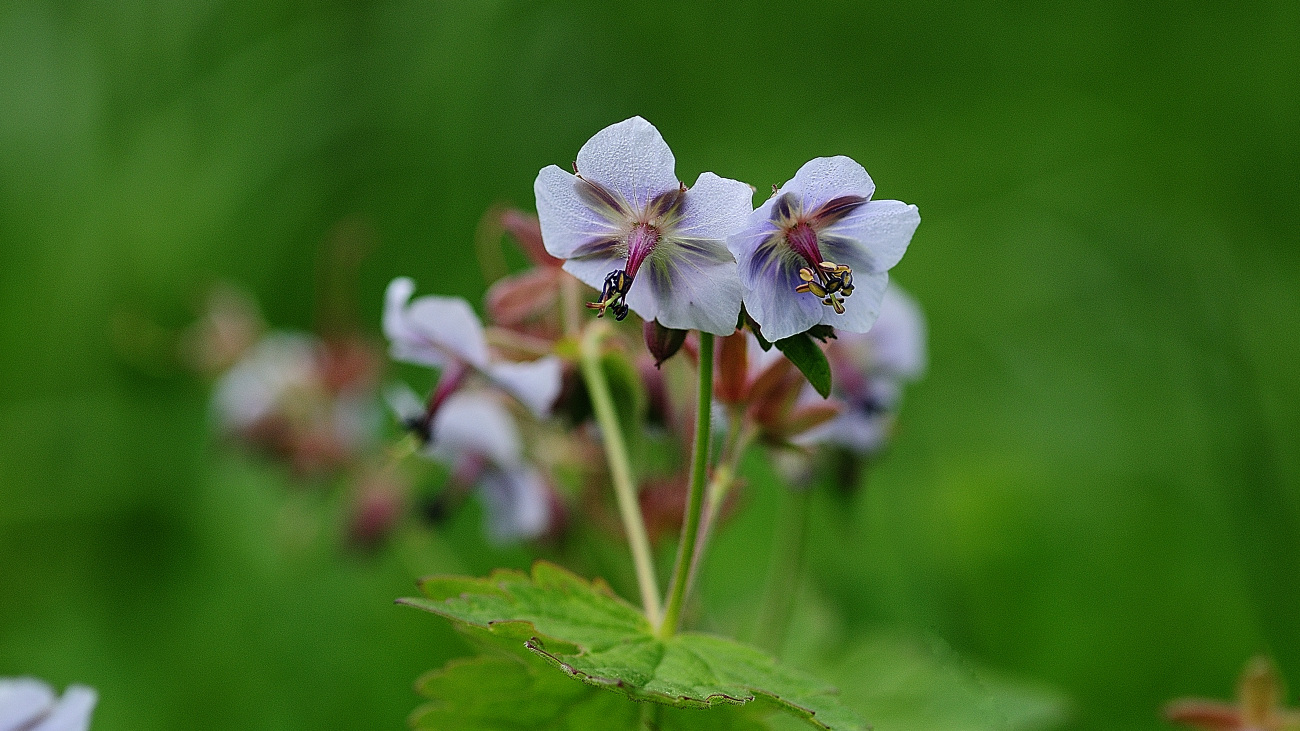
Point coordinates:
[(803, 239), (640, 243)]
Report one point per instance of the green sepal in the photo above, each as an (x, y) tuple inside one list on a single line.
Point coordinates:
[(809, 359), (584, 630)]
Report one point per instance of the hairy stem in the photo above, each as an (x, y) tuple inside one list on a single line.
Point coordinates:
[(620, 469), (784, 570), (695, 494)]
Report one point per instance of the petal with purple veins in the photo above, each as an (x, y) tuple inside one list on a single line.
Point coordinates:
[(629, 158), (883, 228), (825, 178), (567, 217), (689, 285), (769, 273), (714, 209)]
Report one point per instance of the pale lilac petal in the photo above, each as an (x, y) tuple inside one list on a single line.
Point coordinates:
[(432, 331), (475, 423), (23, 701), (253, 388), (536, 384), (568, 221), (404, 402), (629, 158), (769, 274), (714, 209), (592, 269), (898, 339), (72, 712), (857, 430), (882, 228), (517, 504), (824, 178), (862, 308), (689, 285)]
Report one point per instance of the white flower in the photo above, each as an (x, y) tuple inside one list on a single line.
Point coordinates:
[(626, 226), (27, 704), (818, 251), (474, 427), (444, 332), (869, 371)]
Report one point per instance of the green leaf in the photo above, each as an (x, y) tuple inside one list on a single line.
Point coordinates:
[(808, 358), (497, 692), (583, 629)]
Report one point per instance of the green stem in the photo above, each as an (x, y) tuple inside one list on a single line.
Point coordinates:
[(620, 469), (695, 495), (784, 569), (724, 476)]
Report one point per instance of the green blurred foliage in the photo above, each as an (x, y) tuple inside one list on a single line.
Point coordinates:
[(1097, 485)]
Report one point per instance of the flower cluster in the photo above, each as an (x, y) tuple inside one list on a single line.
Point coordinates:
[(689, 257)]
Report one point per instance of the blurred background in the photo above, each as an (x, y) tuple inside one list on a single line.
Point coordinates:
[(1095, 491)]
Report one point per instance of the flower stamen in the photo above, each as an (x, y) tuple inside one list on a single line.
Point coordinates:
[(612, 295), (829, 282)]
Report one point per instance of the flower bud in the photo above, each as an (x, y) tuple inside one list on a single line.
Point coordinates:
[(662, 342)]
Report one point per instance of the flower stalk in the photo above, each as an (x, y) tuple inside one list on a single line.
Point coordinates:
[(620, 468), (695, 495)]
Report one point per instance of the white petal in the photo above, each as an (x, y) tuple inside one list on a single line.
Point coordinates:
[(898, 339), (73, 711), (714, 209), (404, 401), (592, 270), (568, 222), (629, 158), (517, 504), (432, 331), (883, 228), (22, 701), (475, 423), (769, 274), (824, 178), (253, 388), (861, 432), (536, 384), (689, 286), (862, 307)]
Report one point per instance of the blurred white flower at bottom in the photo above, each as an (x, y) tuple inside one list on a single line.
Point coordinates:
[(27, 704)]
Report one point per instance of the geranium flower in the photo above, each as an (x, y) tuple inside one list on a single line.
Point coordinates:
[(626, 226), (818, 251), (444, 332), (302, 399), (27, 704), (869, 371), (475, 434)]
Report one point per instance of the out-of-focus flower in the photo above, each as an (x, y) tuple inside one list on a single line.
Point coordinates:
[(27, 704), (229, 325), (474, 433), (1258, 707), (626, 226), (301, 399), (444, 332), (869, 371), (818, 251)]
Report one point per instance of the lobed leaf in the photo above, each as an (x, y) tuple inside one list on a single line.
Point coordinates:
[(587, 631)]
